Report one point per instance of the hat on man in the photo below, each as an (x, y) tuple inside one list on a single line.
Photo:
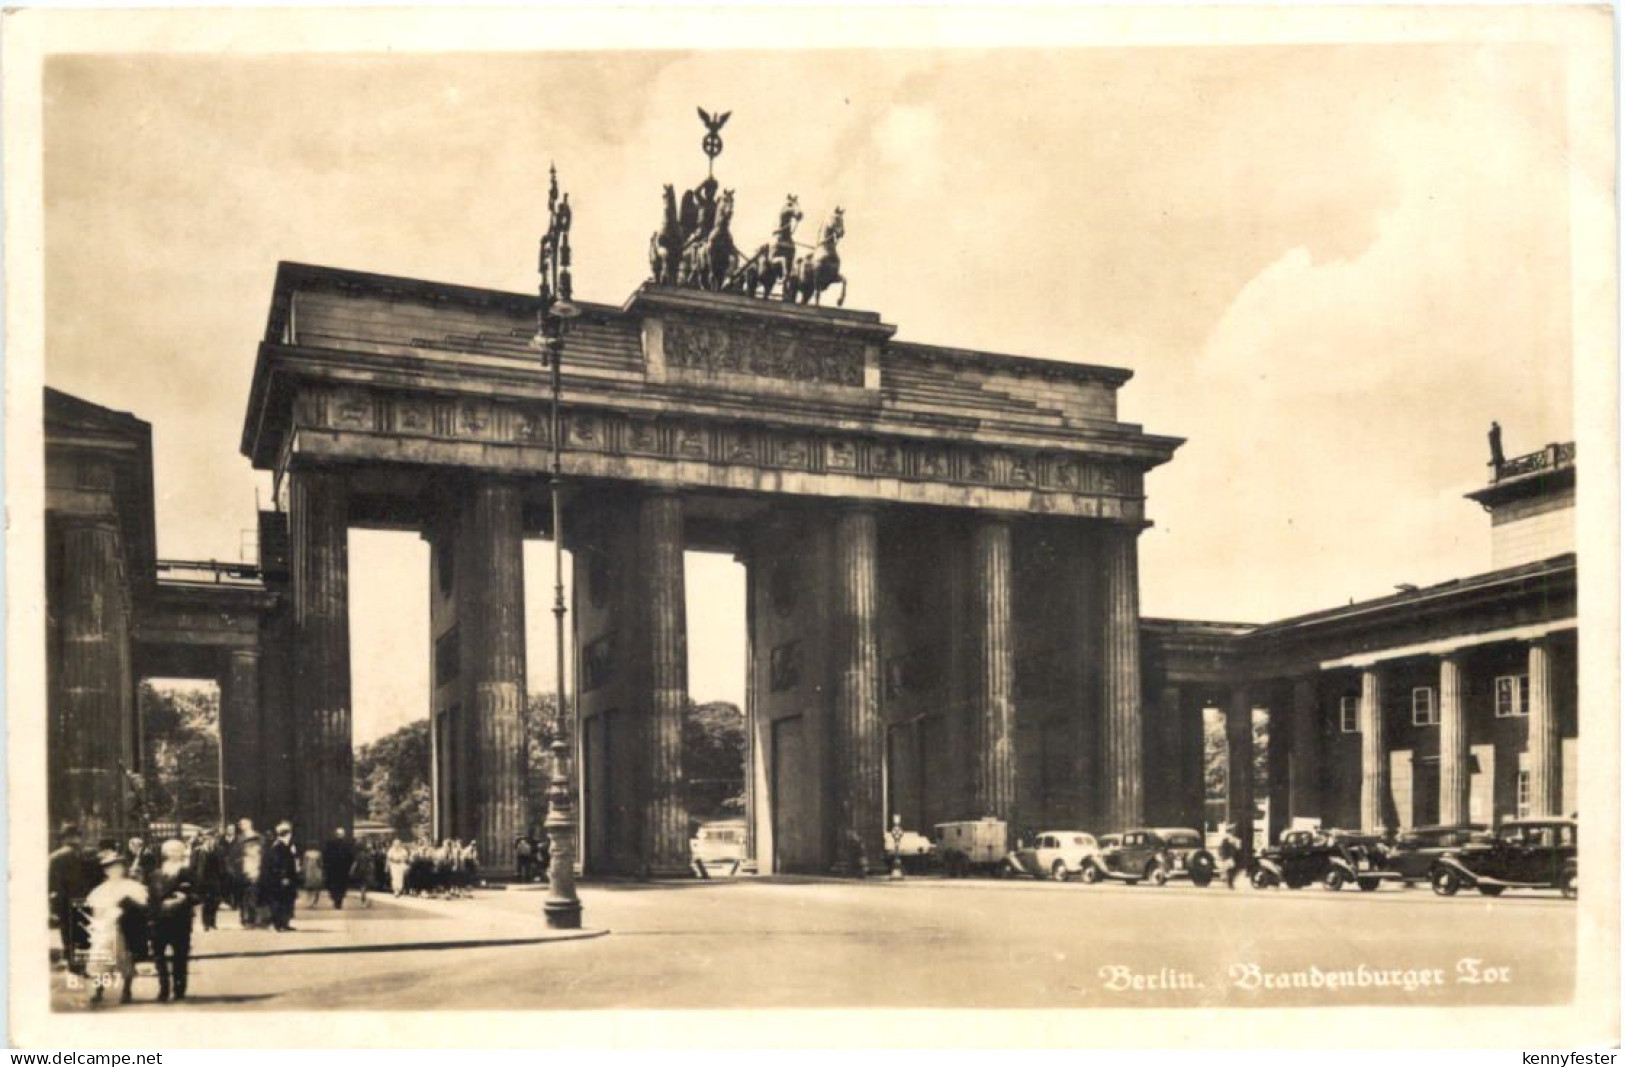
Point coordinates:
[(109, 857), (284, 827)]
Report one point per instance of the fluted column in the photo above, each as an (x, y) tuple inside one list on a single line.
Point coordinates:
[(1373, 753), (1455, 776), (1122, 733), (1304, 774), (318, 506), (1086, 620), (860, 740), (495, 608), (1545, 769), (660, 548), (993, 776), (1238, 738), (242, 742), (95, 693)]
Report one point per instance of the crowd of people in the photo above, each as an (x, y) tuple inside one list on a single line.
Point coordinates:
[(448, 870), (116, 906)]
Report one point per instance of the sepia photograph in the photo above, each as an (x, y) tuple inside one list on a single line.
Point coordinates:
[(696, 515)]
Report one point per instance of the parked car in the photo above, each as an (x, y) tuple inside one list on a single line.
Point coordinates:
[(1154, 855), (1334, 858), (1057, 854), (914, 849), (1416, 850), (1523, 854), (974, 846), (718, 847)]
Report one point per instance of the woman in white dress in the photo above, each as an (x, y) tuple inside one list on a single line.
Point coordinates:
[(118, 920), (400, 861)]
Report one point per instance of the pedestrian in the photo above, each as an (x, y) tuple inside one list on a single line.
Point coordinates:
[(310, 868), (337, 859), (400, 861), (118, 927), (279, 872), (525, 855), (141, 860), (71, 874), (232, 895), (471, 867), (211, 874), (1229, 855), (361, 875), (171, 902), (248, 868)]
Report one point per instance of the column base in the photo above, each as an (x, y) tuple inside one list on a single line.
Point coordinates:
[(562, 914)]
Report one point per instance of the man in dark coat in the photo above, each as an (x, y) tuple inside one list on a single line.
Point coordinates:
[(279, 877), (171, 899), (338, 859), (73, 873), (211, 872)]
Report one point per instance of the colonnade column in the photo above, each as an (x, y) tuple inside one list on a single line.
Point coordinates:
[(1455, 777), (993, 709), (1304, 773), (494, 584), (1373, 753), (665, 809), (95, 690), (860, 740), (1122, 733), (1545, 771), (242, 740), (319, 510), (1238, 737)]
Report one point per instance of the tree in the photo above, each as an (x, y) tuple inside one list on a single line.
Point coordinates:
[(714, 758), (180, 740), (392, 780), (1215, 751)]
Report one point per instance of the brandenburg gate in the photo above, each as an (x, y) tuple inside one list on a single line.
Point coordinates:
[(940, 549)]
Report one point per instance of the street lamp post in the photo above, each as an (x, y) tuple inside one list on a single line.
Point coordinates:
[(562, 907)]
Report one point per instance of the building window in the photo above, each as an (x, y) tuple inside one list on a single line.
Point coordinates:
[(1349, 714), (1523, 794), (1511, 696), (1424, 708)]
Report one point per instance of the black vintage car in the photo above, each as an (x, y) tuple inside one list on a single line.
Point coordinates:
[(1523, 854), (1153, 855), (1333, 858), (1416, 850)]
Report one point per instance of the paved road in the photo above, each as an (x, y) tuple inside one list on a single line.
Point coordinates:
[(923, 943)]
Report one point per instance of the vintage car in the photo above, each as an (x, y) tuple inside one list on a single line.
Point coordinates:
[(1523, 854), (1334, 858), (1057, 854), (718, 848), (914, 850), (1154, 855), (1415, 851)]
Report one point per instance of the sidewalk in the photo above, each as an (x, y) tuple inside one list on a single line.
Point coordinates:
[(236, 966)]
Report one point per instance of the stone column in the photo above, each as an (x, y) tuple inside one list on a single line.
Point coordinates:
[(1455, 775), (1086, 621), (665, 809), (318, 507), (1238, 739), (1545, 751), (860, 739), (494, 588), (993, 752), (1373, 753), (1122, 733), (95, 691), (1304, 774), (241, 738)]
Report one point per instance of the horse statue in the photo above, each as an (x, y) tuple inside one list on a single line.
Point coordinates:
[(774, 261), (817, 271), (666, 244), (709, 262)]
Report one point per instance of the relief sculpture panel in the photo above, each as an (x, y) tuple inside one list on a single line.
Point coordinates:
[(714, 348)]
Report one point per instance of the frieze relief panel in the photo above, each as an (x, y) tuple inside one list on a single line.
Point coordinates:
[(713, 348), (1105, 488)]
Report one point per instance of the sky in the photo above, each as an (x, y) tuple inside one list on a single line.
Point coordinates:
[(1329, 267)]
